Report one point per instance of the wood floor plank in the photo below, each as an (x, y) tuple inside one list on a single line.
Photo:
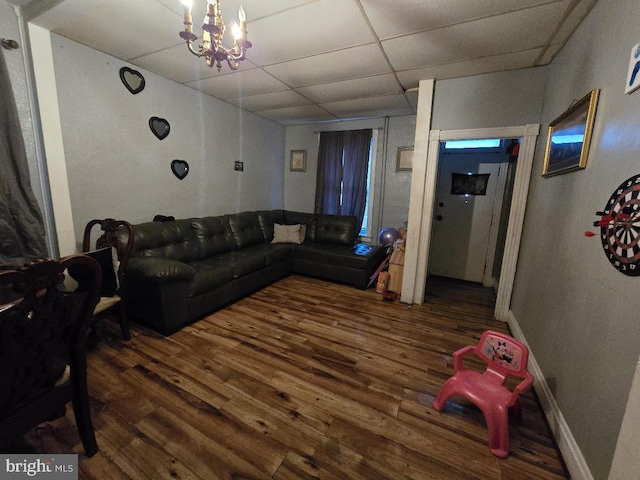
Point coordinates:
[(410, 463), (280, 403), (207, 457), (304, 379)]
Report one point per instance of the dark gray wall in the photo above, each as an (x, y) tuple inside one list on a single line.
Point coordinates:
[(579, 314)]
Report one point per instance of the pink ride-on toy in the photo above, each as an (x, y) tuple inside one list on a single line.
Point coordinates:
[(504, 356)]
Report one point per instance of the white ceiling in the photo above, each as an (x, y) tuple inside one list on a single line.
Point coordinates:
[(324, 60)]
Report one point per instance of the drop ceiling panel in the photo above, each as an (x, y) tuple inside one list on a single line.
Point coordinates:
[(239, 84), (391, 19), (270, 101), (316, 27), (324, 49), (51, 16), (356, 88), (362, 61), (255, 9), (509, 61), (515, 31), (177, 64), (304, 114), (98, 28), (372, 106)]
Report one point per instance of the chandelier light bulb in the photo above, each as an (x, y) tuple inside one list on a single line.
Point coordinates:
[(236, 31), (211, 47)]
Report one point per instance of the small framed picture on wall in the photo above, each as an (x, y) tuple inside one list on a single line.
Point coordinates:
[(404, 162), (298, 161)]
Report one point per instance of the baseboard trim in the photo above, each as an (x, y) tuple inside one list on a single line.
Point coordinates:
[(573, 458)]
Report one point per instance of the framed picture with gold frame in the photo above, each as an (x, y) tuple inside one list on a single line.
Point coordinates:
[(404, 162), (569, 137), (298, 161)]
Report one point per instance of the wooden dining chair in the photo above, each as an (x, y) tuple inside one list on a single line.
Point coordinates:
[(43, 331), (113, 255)]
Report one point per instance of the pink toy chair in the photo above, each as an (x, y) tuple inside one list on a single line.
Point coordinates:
[(504, 356)]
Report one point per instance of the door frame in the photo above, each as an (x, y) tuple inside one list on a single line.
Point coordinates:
[(421, 208)]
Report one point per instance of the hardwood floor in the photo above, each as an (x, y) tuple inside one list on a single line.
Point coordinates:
[(302, 380)]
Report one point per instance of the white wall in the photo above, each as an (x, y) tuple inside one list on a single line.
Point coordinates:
[(579, 314), (117, 168)]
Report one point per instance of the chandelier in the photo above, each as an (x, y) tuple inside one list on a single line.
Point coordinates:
[(213, 28)]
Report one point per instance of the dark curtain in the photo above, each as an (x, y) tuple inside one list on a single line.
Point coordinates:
[(343, 163), (355, 168), (329, 173), (22, 235)]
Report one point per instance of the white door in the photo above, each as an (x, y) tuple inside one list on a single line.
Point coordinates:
[(462, 222)]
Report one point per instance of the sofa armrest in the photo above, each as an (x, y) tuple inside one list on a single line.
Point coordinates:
[(158, 270)]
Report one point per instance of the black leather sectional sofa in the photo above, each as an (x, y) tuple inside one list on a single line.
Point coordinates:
[(181, 270)]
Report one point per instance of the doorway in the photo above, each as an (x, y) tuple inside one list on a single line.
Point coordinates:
[(471, 209), (422, 204)]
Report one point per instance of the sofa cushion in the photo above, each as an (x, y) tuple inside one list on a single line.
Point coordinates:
[(242, 262), (340, 230), (267, 219), (209, 275), (158, 269), (275, 252), (213, 235), (278, 253), (353, 256), (174, 240), (246, 229)]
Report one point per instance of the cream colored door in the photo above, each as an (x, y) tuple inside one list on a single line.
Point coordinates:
[(462, 222)]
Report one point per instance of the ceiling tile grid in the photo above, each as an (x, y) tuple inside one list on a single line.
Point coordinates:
[(324, 60)]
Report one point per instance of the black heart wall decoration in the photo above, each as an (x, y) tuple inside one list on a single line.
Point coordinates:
[(180, 168), (160, 127), (132, 79)]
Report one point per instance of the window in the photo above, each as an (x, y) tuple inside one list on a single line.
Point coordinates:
[(343, 173), (487, 143)]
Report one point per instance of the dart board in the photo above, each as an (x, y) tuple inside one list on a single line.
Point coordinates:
[(620, 227)]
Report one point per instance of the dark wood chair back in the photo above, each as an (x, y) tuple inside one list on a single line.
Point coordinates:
[(43, 330), (108, 238), (123, 245)]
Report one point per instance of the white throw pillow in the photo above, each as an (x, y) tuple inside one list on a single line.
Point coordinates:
[(287, 234)]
